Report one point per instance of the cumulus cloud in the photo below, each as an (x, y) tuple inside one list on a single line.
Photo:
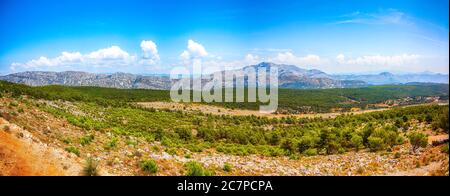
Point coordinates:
[(194, 50), (106, 59), (111, 53), (290, 58), (150, 51), (251, 59)]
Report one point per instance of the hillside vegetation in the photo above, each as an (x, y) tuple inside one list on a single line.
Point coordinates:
[(88, 121), (245, 134), (290, 100)]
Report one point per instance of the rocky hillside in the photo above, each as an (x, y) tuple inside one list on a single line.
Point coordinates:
[(291, 76), (72, 78)]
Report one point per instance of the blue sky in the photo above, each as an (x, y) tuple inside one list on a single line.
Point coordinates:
[(346, 36)]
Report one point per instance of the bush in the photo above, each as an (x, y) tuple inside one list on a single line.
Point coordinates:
[(356, 141), (74, 150), (112, 144), (87, 139), (307, 142), (288, 145), (171, 151), (442, 122), (184, 133), (375, 143), (417, 140), (149, 166), (90, 169), (194, 168), (389, 137), (310, 152), (227, 167)]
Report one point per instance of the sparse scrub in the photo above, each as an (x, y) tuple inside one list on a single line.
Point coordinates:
[(376, 143), (87, 139), (227, 167), (310, 152), (149, 166), (90, 168), (194, 168), (112, 143), (417, 140), (356, 141), (74, 150)]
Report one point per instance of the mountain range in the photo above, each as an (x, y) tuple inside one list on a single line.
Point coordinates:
[(290, 76), (389, 78)]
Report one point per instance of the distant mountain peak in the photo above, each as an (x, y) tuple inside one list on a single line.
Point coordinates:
[(386, 74)]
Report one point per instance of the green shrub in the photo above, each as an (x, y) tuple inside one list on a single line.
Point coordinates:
[(375, 143), (227, 167), (443, 121), (67, 140), (74, 150), (87, 139), (417, 140), (356, 141), (171, 151), (194, 168), (310, 152), (307, 142), (149, 166), (288, 145), (184, 133), (112, 143), (294, 157)]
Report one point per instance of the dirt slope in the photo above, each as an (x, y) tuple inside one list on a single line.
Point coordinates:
[(21, 154)]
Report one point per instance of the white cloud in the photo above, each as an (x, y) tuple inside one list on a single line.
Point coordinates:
[(149, 50), (103, 60), (185, 55), (290, 58), (194, 50), (251, 59), (380, 60), (111, 53), (340, 58)]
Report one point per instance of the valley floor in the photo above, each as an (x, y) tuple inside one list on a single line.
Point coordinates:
[(33, 142), (216, 110)]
